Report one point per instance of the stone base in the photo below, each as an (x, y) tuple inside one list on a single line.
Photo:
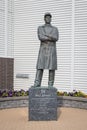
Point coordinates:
[(42, 104)]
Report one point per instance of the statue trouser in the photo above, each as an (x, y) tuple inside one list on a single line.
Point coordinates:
[(39, 75)]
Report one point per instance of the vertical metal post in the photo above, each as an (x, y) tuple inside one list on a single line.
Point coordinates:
[(6, 27), (6, 37), (73, 42)]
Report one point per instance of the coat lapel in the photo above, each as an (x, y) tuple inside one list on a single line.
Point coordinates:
[(47, 29)]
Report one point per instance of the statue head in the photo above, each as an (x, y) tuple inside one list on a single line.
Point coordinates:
[(47, 14), (47, 18)]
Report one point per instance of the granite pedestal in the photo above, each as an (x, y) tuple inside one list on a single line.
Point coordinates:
[(42, 104)]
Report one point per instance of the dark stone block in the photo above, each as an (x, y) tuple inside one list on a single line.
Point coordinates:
[(42, 104), (6, 73)]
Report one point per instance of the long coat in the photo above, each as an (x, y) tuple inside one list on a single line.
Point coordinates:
[(47, 57)]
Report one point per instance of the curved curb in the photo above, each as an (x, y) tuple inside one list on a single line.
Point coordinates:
[(63, 101), (75, 102)]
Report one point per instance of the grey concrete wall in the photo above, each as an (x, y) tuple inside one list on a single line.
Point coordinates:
[(65, 101)]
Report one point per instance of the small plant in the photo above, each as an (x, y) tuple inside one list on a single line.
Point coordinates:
[(79, 94), (73, 94), (4, 93), (13, 93)]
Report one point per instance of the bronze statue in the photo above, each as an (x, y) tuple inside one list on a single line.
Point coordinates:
[(47, 58)]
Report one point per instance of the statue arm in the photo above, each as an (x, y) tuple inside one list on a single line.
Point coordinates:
[(41, 35), (54, 36)]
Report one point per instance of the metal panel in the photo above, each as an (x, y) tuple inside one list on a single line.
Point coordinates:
[(2, 32), (6, 28), (80, 73), (28, 16), (10, 24)]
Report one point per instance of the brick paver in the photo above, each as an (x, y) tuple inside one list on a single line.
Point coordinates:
[(68, 119)]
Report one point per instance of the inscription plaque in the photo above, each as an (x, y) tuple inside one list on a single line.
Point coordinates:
[(42, 104)]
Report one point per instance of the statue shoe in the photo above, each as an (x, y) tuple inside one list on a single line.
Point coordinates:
[(50, 84), (36, 84)]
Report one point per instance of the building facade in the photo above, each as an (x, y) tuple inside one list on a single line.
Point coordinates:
[(70, 17)]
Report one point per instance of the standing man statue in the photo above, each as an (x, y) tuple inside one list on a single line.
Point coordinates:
[(47, 58)]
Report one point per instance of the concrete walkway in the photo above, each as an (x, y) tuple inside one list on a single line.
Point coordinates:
[(69, 119)]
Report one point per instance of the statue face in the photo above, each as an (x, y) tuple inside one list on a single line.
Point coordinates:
[(47, 19)]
